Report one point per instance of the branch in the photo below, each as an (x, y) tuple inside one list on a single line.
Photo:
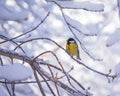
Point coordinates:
[(39, 83), (82, 46), (6, 38), (66, 74), (86, 5), (79, 62), (55, 80), (29, 60), (43, 63), (27, 31), (21, 82)]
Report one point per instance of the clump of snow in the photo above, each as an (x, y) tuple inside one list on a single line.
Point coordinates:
[(2, 91), (81, 5), (88, 29), (88, 93), (8, 13), (47, 6), (117, 70), (114, 38), (15, 72), (77, 94)]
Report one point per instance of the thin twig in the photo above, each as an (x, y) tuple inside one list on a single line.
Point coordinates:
[(6, 38), (29, 30), (7, 89), (33, 39), (40, 70), (47, 84), (63, 70), (66, 73), (39, 84), (54, 81), (78, 30), (44, 63), (82, 46), (79, 62), (1, 61), (13, 89), (53, 55), (6, 80)]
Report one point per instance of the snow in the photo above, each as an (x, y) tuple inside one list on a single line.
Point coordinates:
[(93, 18), (47, 6), (80, 5), (89, 29), (113, 38), (2, 91), (117, 70), (9, 13), (15, 72), (118, 1)]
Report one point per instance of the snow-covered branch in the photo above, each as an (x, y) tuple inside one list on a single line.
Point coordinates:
[(10, 14), (79, 62), (114, 38), (33, 35), (35, 65), (86, 5)]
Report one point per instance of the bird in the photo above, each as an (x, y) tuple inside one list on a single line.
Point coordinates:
[(72, 48)]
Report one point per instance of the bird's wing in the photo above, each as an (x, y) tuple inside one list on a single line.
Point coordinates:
[(67, 48), (78, 56)]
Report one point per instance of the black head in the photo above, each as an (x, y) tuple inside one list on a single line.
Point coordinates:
[(70, 40)]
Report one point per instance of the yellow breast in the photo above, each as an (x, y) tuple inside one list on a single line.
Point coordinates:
[(72, 49)]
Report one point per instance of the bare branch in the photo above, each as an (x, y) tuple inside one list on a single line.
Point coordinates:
[(79, 62), (8, 89), (39, 84), (6, 38), (37, 68), (55, 81), (47, 84), (63, 70)]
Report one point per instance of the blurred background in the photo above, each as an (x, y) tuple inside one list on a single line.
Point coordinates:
[(98, 33)]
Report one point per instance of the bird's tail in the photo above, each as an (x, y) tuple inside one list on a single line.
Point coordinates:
[(78, 57)]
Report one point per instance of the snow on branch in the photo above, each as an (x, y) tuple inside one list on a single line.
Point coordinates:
[(70, 28), (49, 76), (21, 3), (34, 64), (118, 3), (117, 70), (15, 72), (108, 75), (4, 37), (86, 30), (86, 5), (7, 14), (30, 30), (114, 38), (40, 70)]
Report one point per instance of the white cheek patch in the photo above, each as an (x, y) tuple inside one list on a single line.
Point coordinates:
[(72, 41)]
